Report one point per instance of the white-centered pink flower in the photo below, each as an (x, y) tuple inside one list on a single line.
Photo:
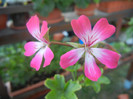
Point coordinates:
[(101, 31), (39, 47)]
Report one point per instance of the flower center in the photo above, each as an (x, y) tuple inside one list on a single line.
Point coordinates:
[(88, 49)]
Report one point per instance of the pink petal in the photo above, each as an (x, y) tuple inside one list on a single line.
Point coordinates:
[(101, 31), (71, 57), (37, 60), (33, 26), (32, 47), (82, 28), (48, 55), (107, 57), (44, 28), (91, 69)]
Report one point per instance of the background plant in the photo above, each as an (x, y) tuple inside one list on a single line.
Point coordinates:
[(129, 30), (82, 3), (14, 66), (44, 7)]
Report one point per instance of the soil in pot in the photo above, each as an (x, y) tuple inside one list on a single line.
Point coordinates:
[(3, 19), (54, 17), (35, 79), (19, 20), (89, 11)]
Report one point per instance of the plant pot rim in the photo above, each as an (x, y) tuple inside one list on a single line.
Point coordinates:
[(32, 87)]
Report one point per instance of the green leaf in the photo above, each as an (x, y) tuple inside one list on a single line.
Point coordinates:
[(73, 68), (75, 45), (57, 84), (54, 95), (60, 89), (70, 96), (96, 87), (103, 80), (72, 86), (97, 84), (88, 82), (46, 36), (81, 78), (102, 70), (60, 95)]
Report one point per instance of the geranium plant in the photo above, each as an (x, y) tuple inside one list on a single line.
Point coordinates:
[(89, 51)]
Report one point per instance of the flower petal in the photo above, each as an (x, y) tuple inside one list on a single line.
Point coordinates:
[(71, 57), (37, 60), (101, 31), (107, 57), (82, 28), (91, 69), (48, 55), (33, 27), (32, 47), (44, 28)]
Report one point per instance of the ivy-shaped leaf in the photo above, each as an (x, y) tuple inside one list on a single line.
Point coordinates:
[(57, 84), (96, 85), (72, 86), (60, 89)]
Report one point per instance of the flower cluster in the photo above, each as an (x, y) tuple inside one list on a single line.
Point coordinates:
[(82, 29)]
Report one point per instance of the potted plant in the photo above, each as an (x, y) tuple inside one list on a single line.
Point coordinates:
[(20, 18), (118, 5), (15, 69), (86, 7), (50, 10), (3, 17)]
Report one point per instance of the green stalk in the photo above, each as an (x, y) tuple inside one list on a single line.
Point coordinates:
[(73, 75)]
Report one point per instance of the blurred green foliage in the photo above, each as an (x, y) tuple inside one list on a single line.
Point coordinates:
[(15, 67), (82, 3), (44, 7), (85, 3), (129, 30), (96, 85), (122, 47)]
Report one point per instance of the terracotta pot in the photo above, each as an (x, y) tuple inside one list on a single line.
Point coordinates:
[(58, 36), (89, 11), (54, 17), (115, 6), (32, 89), (123, 96), (74, 39), (3, 19)]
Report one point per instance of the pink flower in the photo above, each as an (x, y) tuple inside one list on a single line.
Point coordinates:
[(40, 46), (101, 31)]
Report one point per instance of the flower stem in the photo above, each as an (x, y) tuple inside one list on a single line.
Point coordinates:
[(60, 43), (73, 75)]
